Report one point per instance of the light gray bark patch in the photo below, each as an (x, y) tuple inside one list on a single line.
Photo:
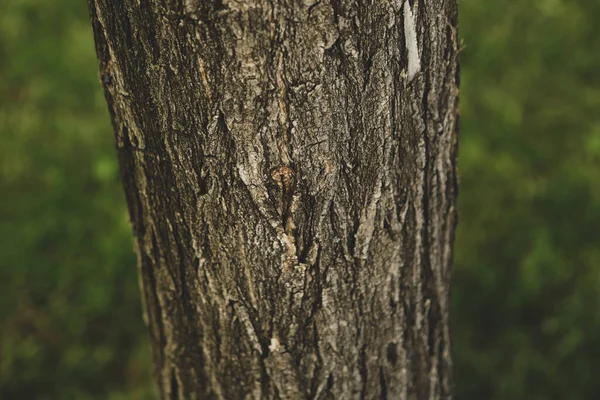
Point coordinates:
[(410, 40)]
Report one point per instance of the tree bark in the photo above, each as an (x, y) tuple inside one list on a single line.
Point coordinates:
[(290, 173)]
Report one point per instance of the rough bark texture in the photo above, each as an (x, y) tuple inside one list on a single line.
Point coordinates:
[(290, 171)]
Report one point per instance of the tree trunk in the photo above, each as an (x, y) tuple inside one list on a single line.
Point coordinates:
[(290, 172)]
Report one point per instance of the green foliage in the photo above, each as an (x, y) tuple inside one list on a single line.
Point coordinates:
[(525, 295), (526, 277), (70, 316)]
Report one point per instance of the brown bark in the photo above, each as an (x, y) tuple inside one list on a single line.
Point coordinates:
[(290, 172)]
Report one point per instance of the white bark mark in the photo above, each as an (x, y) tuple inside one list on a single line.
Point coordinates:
[(410, 38)]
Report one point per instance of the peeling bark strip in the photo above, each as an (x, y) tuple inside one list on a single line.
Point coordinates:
[(290, 171)]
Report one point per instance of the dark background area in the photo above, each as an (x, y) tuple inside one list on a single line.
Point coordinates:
[(526, 289)]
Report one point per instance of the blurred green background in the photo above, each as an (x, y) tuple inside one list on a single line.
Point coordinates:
[(527, 290)]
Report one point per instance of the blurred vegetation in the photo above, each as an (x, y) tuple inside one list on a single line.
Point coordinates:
[(70, 316), (525, 317), (527, 276)]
